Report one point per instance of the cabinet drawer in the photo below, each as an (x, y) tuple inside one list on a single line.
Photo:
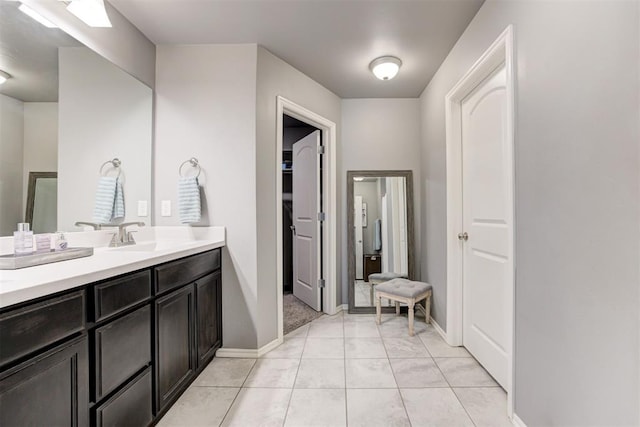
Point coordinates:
[(129, 407), (183, 271), (123, 347), (29, 328), (119, 294)]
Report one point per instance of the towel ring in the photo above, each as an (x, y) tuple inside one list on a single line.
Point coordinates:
[(115, 164), (194, 163)]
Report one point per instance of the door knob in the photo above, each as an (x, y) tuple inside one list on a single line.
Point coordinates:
[(463, 236)]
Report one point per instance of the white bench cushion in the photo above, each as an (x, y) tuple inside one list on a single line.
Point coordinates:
[(384, 277), (403, 288)]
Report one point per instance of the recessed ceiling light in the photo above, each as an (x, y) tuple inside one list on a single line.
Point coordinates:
[(4, 77), (385, 67), (91, 12), (35, 15)]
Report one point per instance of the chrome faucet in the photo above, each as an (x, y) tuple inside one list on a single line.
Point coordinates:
[(90, 224), (123, 237)]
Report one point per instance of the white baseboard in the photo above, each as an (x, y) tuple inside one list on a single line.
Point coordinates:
[(244, 353), (343, 307), (517, 421), (439, 330)]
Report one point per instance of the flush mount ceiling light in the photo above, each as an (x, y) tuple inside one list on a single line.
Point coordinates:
[(35, 15), (4, 77), (385, 67), (91, 12)]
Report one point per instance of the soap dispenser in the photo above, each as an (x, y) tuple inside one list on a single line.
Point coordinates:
[(23, 239)]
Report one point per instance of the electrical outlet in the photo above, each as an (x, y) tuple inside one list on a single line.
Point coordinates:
[(142, 208), (166, 208)]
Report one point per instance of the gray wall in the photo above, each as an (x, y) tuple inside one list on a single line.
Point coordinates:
[(11, 152), (103, 113), (123, 44), (210, 113), (577, 203), (276, 77), (379, 134)]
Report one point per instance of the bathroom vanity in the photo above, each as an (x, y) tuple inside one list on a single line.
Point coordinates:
[(114, 351)]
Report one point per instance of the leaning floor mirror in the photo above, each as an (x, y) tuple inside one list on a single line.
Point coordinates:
[(380, 233)]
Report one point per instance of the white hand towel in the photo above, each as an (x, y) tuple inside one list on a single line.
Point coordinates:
[(188, 200), (105, 197), (118, 206)]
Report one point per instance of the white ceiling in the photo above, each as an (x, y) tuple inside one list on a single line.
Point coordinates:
[(331, 41), (29, 52)]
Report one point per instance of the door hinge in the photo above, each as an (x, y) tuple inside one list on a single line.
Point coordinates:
[(321, 283), (320, 149), (321, 216)]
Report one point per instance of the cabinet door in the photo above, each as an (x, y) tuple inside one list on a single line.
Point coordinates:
[(49, 390), (208, 313), (175, 344)]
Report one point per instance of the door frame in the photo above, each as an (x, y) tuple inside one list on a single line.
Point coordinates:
[(500, 51), (329, 235)]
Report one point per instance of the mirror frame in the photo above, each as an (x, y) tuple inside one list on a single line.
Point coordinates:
[(31, 192), (408, 175)]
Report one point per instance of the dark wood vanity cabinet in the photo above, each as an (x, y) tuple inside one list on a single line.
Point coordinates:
[(51, 389), (208, 316), (188, 320), (175, 343), (113, 353)]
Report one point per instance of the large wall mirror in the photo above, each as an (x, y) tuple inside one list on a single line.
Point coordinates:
[(66, 111), (380, 232)]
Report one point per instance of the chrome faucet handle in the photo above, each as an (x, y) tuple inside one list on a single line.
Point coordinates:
[(89, 224)]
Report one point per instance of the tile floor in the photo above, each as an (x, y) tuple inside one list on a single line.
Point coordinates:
[(344, 370)]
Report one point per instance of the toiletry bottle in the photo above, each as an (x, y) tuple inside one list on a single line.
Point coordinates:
[(23, 239), (61, 243)]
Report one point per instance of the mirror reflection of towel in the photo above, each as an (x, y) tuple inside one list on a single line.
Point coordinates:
[(378, 236)]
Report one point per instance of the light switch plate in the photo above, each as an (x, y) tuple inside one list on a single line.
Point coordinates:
[(166, 208), (142, 208)]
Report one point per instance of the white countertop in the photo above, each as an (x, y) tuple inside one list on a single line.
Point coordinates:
[(155, 245)]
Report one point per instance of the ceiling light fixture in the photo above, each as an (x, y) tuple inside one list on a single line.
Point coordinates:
[(91, 12), (385, 67), (4, 77), (35, 15)]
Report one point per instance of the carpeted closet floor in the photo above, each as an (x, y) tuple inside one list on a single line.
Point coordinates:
[(297, 313)]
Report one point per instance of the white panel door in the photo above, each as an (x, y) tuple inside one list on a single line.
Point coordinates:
[(487, 219), (357, 229), (306, 205)]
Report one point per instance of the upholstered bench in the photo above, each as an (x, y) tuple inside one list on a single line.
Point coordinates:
[(408, 292), (377, 278)]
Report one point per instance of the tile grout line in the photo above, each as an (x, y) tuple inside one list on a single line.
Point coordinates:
[(344, 364), (404, 406), (453, 391), (238, 393), (284, 420)]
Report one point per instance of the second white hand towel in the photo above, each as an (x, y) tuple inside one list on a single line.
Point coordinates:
[(188, 200)]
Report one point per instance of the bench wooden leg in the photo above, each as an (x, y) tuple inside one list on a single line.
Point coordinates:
[(378, 310), (427, 309), (411, 303), (397, 308)]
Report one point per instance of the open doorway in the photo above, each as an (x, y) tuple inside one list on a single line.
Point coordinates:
[(301, 228), (327, 218)]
